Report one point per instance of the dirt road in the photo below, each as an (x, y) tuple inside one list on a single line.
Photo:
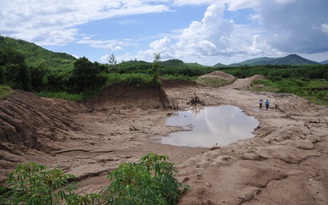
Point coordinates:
[(285, 163)]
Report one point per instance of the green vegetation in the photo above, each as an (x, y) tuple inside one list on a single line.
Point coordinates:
[(132, 79), (32, 183), (151, 181), (292, 59), (36, 56), (315, 91), (308, 81), (5, 91), (63, 95), (28, 67)]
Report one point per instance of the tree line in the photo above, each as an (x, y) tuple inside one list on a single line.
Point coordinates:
[(86, 77)]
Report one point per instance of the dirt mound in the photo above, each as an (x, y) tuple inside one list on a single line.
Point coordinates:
[(257, 77), (129, 96), (216, 79), (244, 83), (27, 120), (219, 74)]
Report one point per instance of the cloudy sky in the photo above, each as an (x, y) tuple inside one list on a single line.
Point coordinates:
[(203, 31)]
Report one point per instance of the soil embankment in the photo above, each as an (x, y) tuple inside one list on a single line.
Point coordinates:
[(285, 163), (29, 123)]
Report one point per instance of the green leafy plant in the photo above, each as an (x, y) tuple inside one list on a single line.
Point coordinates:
[(31, 183), (151, 181)]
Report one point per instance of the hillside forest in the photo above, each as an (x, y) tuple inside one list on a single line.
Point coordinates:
[(28, 67)]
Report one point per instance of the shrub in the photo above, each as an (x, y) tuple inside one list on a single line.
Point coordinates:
[(150, 181), (5, 91), (32, 183)]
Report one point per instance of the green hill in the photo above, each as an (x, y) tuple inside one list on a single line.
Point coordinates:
[(219, 65), (324, 62), (35, 55), (292, 59), (255, 61), (174, 63)]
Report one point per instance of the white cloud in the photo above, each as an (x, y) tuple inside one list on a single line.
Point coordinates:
[(192, 2), (214, 39), (210, 36), (36, 20), (274, 28), (162, 46), (280, 27), (111, 45), (231, 4), (324, 28), (291, 24)]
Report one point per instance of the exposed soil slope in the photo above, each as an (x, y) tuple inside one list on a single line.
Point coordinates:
[(29, 122), (285, 163)]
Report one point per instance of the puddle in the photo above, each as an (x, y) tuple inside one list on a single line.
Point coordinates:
[(210, 126)]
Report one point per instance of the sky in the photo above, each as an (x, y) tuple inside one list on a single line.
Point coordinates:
[(196, 31)]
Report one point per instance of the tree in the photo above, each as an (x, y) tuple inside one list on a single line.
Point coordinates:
[(112, 60), (86, 76), (14, 71), (157, 57), (155, 67), (39, 77)]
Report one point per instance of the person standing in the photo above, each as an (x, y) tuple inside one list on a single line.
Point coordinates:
[(260, 103), (267, 104)]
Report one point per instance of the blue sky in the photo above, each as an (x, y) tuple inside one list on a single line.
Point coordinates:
[(202, 31)]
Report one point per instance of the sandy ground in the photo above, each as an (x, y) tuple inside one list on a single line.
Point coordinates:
[(285, 163)]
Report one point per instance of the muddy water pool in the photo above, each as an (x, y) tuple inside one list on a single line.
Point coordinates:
[(210, 126)]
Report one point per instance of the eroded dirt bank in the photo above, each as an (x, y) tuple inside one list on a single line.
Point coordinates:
[(285, 163)]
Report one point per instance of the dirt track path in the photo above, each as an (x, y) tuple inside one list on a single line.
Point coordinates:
[(285, 163)]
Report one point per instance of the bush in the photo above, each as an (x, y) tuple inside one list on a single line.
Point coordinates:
[(86, 76), (32, 183), (151, 181), (5, 91)]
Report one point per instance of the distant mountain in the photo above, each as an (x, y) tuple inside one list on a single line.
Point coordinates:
[(324, 62), (292, 59), (255, 61), (36, 55), (219, 65), (176, 63)]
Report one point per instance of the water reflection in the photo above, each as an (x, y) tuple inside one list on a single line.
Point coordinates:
[(210, 126)]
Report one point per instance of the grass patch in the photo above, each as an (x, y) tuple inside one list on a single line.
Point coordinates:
[(133, 79), (318, 85), (316, 91), (5, 91), (178, 77), (63, 95), (264, 85)]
